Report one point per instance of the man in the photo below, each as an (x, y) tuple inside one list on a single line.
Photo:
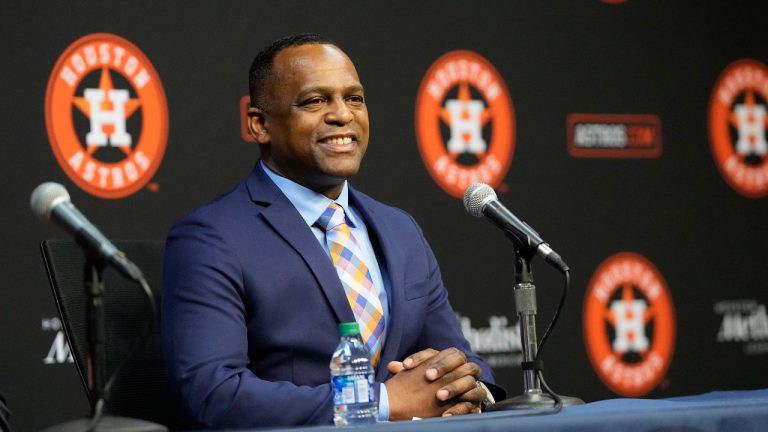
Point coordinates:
[(253, 290)]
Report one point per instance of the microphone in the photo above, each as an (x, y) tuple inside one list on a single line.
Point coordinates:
[(50, 201), (480, 200)]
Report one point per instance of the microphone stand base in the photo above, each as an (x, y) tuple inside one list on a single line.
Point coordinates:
[(535, 400), (109, 424)]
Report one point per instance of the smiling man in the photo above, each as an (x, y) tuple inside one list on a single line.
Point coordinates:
[(310, 118), (253, 289)]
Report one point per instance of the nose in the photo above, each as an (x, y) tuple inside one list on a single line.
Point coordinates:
[(339, 112)]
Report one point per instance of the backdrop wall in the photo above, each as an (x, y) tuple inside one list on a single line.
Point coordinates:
[(635, 128)]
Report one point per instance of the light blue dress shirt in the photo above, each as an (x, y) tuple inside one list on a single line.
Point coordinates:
[(311, 206)]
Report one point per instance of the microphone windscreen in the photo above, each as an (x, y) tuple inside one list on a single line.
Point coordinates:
[(476, 197), (47, 196)]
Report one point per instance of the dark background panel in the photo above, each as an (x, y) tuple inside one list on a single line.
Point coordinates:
[(559, 57)]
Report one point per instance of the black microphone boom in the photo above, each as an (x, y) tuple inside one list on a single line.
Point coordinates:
[(50, 201), (480, 200)]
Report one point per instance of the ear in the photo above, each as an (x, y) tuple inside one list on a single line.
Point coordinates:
[(257, 125)]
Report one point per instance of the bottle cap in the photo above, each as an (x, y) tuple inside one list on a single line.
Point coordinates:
[(349, 329)]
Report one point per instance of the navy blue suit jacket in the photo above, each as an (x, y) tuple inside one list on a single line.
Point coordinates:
[(251, 302)]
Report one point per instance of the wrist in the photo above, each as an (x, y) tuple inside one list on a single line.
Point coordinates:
[(390, 389), (383, 402), (489, 399)]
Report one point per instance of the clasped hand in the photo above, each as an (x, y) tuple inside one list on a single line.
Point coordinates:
[(431, 383)]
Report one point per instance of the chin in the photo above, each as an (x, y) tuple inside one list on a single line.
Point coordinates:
[(342, 169), (342, 174)]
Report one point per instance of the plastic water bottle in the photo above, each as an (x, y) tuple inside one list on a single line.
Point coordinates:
[(354, 401)]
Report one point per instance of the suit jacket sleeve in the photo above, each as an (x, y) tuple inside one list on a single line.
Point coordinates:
[(205, 340)]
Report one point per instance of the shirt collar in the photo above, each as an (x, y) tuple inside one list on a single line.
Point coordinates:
[(309, 203)]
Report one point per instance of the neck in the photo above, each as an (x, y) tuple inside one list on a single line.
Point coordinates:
[(331, 192), (330, 189)]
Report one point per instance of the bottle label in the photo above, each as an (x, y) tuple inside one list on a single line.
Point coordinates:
[(352, 389)]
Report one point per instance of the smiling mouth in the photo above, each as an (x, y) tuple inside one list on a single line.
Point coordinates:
[(337, 141)]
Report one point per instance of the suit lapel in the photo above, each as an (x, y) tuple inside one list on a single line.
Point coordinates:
[(283, 217), (382, 232)]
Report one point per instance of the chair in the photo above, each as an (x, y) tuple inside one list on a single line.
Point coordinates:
[(141, 389)]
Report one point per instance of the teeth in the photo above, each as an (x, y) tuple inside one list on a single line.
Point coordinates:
[(339, 140)]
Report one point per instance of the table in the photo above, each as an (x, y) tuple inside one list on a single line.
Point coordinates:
[(743, 410)]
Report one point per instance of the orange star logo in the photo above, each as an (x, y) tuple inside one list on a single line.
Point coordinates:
[(634, 278), (735, 121), (627, 297), (105, 85), (464, 97), (465, 71), (109, 56), (742, 162)]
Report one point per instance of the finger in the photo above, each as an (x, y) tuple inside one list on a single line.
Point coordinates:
[(462, 381), (467, 369), (395, 366), (465, 386), (418, 358), (476, 395), (445, 361), (462, 408)]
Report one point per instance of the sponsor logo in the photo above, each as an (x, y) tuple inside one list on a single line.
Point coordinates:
[(106, 115), (465, 122), (743, 322), (245, 103), (614, 135), (498, 344), (629, 324), (59, 352), (737, 127)]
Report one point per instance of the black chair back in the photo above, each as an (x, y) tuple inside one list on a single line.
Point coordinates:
[(141, 388)]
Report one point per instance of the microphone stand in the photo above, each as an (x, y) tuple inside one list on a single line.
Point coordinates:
[(96, 367), (94, 287), (525, 305)]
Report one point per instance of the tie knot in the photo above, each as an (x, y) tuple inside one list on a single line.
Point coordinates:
[(332, 217)]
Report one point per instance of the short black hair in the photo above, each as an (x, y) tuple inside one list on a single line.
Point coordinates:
[(261, 67)]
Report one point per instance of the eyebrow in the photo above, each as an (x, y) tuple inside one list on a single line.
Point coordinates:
[(326, 90)]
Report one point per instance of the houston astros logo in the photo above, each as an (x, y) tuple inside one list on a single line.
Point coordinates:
[(737, 126), (465, 122), (106, 115), (629, 324)]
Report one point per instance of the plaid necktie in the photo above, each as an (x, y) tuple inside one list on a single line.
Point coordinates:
[(355, 277)]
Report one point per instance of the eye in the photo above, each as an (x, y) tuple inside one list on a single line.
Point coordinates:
[(314, 102), (356, 100)]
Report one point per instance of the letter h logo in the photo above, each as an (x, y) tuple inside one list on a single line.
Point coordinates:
[(100, 117), (466, 127), (630, 331)]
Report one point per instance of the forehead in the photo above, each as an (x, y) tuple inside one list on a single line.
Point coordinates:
[(313, 65)]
